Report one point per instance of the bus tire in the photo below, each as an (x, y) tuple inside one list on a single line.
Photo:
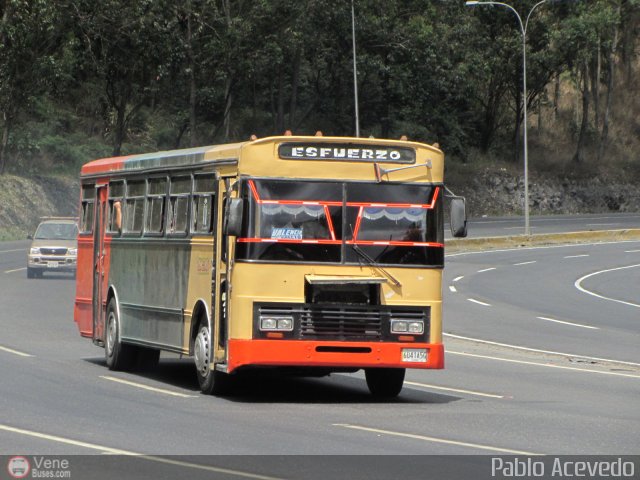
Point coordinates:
[(211, 381), (118, 355), (384, 382), (147, 358)]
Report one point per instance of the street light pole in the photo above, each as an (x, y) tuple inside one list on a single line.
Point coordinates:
[(523, 31), (355, 69)]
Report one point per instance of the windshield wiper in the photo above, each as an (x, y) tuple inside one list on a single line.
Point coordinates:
[(375, 264)]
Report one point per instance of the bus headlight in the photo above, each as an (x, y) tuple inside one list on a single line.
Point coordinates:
[(272, 323), (404, 326)]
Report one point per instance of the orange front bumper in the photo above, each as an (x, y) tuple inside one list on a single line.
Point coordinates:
[(305, 353)]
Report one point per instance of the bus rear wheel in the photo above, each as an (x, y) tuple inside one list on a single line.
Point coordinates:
[(384, 382), (119, 356), (211, 381)]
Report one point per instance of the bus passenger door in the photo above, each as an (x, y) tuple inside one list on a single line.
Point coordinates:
[(98, 263)]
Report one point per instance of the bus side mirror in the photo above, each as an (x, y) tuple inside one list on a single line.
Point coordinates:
[(233, 225), (458, 216)]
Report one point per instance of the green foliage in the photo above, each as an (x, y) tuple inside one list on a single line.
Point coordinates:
[(81, 79)]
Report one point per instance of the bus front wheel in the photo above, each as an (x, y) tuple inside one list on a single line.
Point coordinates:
[(384, 382), (211, 381), (119, 356)]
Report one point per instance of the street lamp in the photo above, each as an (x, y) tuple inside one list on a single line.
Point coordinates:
[(523, 30), (355, 69)]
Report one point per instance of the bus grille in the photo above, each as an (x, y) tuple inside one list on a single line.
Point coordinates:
[(355, 323)]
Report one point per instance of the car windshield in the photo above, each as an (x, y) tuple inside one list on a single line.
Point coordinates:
[(56, 231), (395, 224)]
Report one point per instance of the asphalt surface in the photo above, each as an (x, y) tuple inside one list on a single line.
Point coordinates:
[(506, 226), (542, 358)]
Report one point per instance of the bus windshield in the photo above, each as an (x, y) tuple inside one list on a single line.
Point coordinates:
[(394, 224)]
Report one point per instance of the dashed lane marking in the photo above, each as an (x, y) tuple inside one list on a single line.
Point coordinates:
[(425, 438), (567, 323), (524, 263), (457, 279), (478, 302), (486, 270), (453, 289), (15, 352), (456, 390), (15, 270), (147, 387), (576, 256)]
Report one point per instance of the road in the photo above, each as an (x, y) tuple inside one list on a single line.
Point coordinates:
[(542, 358)]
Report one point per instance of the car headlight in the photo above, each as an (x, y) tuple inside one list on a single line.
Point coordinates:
[(34, 251), (72, 251)]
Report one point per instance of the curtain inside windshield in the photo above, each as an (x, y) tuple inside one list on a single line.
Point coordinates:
[(303, 221)]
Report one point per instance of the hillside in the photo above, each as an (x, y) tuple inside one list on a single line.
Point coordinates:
[(24, 200)]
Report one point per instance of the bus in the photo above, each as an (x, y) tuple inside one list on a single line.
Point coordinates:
[(309, 254)]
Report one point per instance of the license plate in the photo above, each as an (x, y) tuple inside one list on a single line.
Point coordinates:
[(414, 355), (52, 264)]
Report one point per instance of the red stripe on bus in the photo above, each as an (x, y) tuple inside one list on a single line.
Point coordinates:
[(329, 222), (359, 219), (339, 242), (290, 240), (305, 353)]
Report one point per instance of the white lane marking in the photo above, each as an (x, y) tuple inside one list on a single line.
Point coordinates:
[(117, 451), (631, 251), (16, 270), (486, 270), (576, 256), (433, 439), (567, 323), (452, 288), (550, 352), (147, 387), (458, 278), (479, 302), (16, 250), (524, 263), (578, 285), (457, 390), (15, 352), (601, 224), (537, 364)]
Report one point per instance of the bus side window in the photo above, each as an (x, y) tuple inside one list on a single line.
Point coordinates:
[(134, 209), (156, 202), (116, 193), (202, 204), (88, 205), (177, 219)]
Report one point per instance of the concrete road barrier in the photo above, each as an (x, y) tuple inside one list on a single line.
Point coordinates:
[(518, 241)]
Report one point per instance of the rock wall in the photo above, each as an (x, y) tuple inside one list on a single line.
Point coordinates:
[(503, 194)]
